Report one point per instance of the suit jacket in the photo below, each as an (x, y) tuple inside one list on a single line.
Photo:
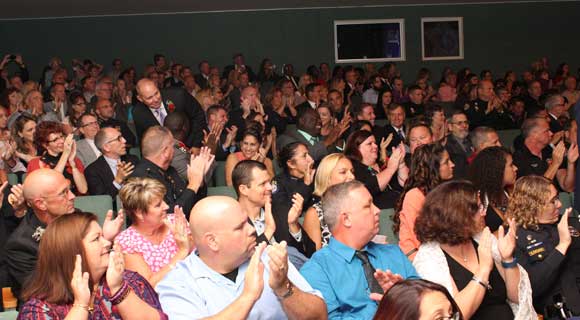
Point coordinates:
[(317, 151), (50, 107), (183, 102), (397, 139), (85, 152), (100, 177), (303, 106), (459, 157), (21, 250), (201, 81)]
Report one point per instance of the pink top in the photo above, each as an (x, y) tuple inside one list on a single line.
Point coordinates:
[(412, 205), (155, 255), (240, 155)]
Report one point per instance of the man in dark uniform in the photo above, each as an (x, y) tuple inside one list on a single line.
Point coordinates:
[(458, 144), (483, 110), (157, 149)]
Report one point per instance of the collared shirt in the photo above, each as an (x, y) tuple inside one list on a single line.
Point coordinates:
[(312, 104), (370, 96), (193, 290), (91, 143), (339, 275), (311, 139), (113, 165)]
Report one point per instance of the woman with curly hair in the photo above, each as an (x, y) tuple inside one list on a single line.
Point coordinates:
[(430, 165), (493, 172), (545, 248), (460, 253)]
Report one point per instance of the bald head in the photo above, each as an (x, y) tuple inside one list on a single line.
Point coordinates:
[(209, 214), (40, 182), (148, 93)]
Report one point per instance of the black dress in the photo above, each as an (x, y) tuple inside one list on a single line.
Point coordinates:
[(383, 199), (494, 304)]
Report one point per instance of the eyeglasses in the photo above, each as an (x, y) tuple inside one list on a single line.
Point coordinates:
[(61, 194), (92, 123), (119, 138), (460, 123), (454, 316), (60, 137)]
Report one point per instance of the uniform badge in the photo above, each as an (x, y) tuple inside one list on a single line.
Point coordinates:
[(466, 107), (274, 186), (529, 237)]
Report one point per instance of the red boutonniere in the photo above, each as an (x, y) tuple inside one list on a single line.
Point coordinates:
[(170, 105)]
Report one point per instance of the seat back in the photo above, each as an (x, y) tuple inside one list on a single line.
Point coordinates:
[(98, 205), (386, 226), (222, 191)]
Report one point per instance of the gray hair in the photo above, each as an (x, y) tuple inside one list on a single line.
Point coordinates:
[(552, 101), (479, 135), (336, 199), (100, 139)]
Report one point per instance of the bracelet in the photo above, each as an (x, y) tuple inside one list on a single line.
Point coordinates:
[(486, 285), (82, 306), (288, 293), (509, 265), (121, 294)]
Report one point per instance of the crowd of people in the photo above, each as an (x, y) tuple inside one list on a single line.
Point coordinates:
[(312, 159)]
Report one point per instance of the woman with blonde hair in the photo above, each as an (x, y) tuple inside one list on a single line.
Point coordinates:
[(333, 169), (545, 247), (204, 98), (156, 241), (78, 276)]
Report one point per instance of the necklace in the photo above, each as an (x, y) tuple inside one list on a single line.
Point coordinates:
[(463, 254)]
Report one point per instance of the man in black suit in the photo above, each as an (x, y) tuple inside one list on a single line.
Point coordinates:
[(154, 106), (458, 144), (415, 107), (202, 78), (239, 65), (289, 75), (396, 115), (105, 115), (555, 105), (107, 174), (312, 92)]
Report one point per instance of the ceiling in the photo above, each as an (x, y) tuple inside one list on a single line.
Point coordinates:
[(34, 9)]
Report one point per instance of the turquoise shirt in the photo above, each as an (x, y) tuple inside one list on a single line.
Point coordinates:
[(339, 276)]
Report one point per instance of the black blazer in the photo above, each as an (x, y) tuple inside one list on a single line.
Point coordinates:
[(201, 81), (458, 156), (183, 102), (100, 177), (397, 139)]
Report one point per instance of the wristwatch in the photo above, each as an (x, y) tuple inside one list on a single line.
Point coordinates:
[(288, 293)]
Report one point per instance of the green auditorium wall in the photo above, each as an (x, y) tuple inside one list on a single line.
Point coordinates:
[(497, 36)]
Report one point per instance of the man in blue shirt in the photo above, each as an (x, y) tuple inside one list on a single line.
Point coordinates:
[(344, 271), (228, 277)]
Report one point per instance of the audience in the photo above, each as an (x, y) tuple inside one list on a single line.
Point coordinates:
[(229, 277), (180, 138), (460, 253), (353, 272)]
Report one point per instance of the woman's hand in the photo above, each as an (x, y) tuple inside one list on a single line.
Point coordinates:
[(564, 233), (397, 155), (296, 209), (309, 174), (179, 230), (80, 284), (506, 243), (115, 269), (484, 253), (68, 143)]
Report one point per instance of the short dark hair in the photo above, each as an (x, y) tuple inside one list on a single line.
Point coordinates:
[(447, 215), (243, 173), (157, 57), (413, 88), (287, 153), (310, 88)]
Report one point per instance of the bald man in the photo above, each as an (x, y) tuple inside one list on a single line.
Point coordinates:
[(154, 105), (48, 196), (486, 109), (228, 277)]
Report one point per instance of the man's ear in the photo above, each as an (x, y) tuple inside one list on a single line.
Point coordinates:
[(39, 203), (345, 219), (212, 241), (243, 189)]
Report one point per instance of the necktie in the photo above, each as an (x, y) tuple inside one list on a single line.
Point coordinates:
[(401, 134), (160, 116), (369, 270)]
